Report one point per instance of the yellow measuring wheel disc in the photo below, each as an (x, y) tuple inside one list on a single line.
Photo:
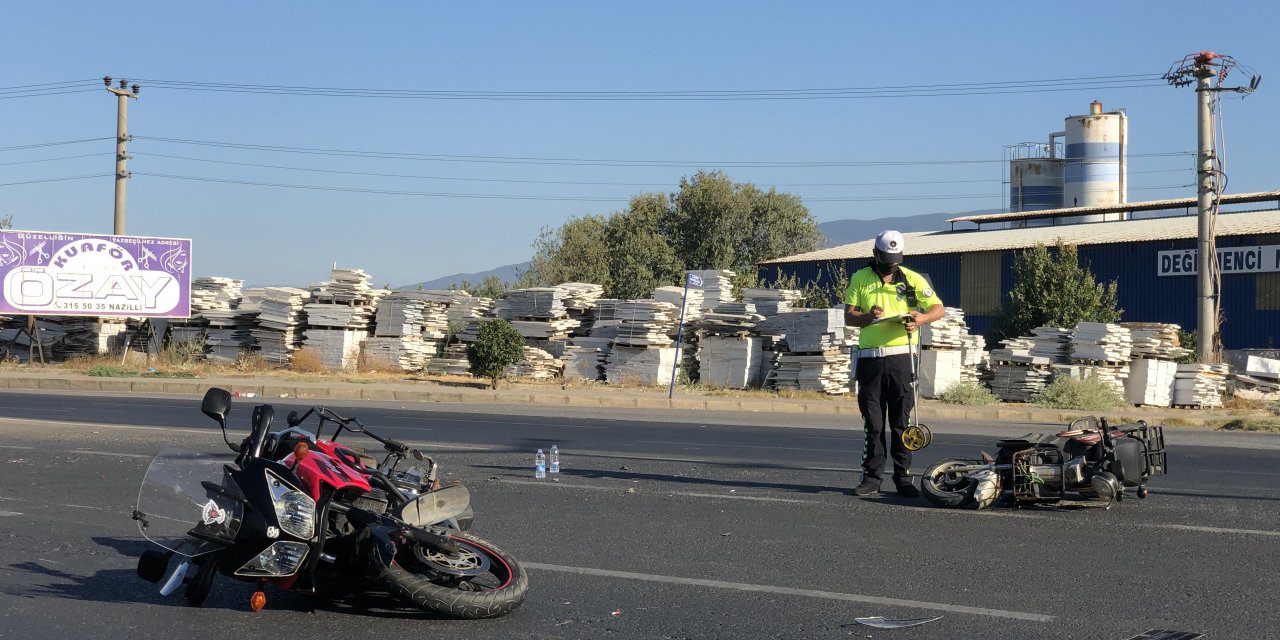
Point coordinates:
[(916, 437)]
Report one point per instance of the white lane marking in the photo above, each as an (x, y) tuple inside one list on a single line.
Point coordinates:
[(509, 422), (994, 513), (809, 593), (1187, 527), (9, 513), (553, 484), (727, 497), (82, 506), (742, 446), (84, 451)]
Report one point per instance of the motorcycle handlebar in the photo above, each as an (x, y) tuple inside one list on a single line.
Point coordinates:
[(325, 413)]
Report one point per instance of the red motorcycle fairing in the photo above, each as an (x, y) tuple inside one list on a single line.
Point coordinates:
[(319, 468)]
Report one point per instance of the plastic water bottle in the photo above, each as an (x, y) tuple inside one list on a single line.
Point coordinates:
[(540, 465), (555, 459)]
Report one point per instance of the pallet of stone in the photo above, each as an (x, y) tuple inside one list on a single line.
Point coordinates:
[(585, 361), (640, 365), (332, 315), (337, 348), (537, 365), (1200, 385), (940, 369), (215, 292), (1156, 340), (280, 318), (693, 308), (452, 361), (810, 330), (230, 332), (1054, 343), (636, 323), (535, 302), (544, 329), (825, 372), (349, 286), (1150, 382), (730, 319), (1101, 342), (948, 332), (771, 302), (730, 362), (579, 296), (1019, 383), (406, 353), (717, 286), (398, 316)]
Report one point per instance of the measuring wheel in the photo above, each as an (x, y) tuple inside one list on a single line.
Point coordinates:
[(916, 437)]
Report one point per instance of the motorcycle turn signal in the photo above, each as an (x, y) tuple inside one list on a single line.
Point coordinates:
[(257, 601)]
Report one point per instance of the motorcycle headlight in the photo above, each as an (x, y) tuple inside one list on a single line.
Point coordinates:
[(295, 510), (280, 559)]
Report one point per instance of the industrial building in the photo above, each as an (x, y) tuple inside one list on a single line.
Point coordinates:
[(1077, 193)]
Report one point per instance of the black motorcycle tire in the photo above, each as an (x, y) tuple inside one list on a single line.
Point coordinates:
[(940, 495), (200, 584), (457, 603)]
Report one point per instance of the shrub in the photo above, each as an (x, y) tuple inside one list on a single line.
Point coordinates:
[(1090, 393), (307, 361), (970, 393), (498, 345)]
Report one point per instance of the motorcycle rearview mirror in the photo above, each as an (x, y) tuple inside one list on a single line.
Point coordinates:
[(292, 419), (217, 404)]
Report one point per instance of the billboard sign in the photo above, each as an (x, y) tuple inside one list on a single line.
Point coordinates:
[(74, 274), (1256, 259)]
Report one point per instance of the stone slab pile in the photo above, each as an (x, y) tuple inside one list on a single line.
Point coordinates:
[(1156, 340), (1200, 386), (771, 302), (280, 319), (537, 365), (731, 362)]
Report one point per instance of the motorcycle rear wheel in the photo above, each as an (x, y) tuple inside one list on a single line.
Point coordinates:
[(943, 489), (499, 590)]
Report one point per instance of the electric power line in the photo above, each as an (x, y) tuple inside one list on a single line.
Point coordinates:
[(1128, 81), (41, 145), (565, 182), (92, 175), (398, 155)]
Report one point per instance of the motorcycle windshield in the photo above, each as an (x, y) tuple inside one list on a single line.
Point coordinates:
[(176, 511)]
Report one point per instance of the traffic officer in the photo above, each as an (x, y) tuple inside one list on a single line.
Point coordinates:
[(888, 302)]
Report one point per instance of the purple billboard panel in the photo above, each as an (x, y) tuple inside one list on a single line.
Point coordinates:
[(73, 274)]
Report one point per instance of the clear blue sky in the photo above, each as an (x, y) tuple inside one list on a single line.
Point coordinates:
[(269, 235)]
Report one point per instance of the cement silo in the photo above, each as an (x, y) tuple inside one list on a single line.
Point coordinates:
[(1096, 164), (1035, 178)]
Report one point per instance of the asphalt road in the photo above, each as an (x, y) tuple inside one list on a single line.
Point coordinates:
[(665, 525)]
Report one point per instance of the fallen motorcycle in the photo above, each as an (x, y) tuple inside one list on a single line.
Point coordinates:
[(1090, 458), (319, 518)]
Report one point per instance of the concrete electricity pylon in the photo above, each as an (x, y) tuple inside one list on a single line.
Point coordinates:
[(124, 92), (1203, 69)]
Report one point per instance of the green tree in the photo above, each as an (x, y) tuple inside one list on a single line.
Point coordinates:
[(490, 287), (498, 345), (575, 252), (640, 259), (1052, 288), (717, 224), (6, 222)]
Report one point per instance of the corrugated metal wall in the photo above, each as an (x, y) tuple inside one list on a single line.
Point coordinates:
[(1143, 295)]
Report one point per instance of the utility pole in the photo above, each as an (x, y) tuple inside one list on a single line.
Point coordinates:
[(123, 93), (1206, 187), (1202, 69)]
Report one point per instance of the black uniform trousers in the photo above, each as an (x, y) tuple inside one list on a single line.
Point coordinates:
[(884, 397)]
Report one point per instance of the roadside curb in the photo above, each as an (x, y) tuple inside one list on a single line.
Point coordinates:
[(554, 396)]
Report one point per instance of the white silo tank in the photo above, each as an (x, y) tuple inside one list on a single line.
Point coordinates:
[(1095, 172), (1035, 184)]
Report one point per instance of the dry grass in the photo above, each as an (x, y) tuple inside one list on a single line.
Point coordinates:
[(307, 361), (369, 363), (251, 362), (1262, 426)]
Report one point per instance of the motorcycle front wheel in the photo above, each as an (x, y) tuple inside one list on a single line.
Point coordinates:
[(480, 581), (943, 487)]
